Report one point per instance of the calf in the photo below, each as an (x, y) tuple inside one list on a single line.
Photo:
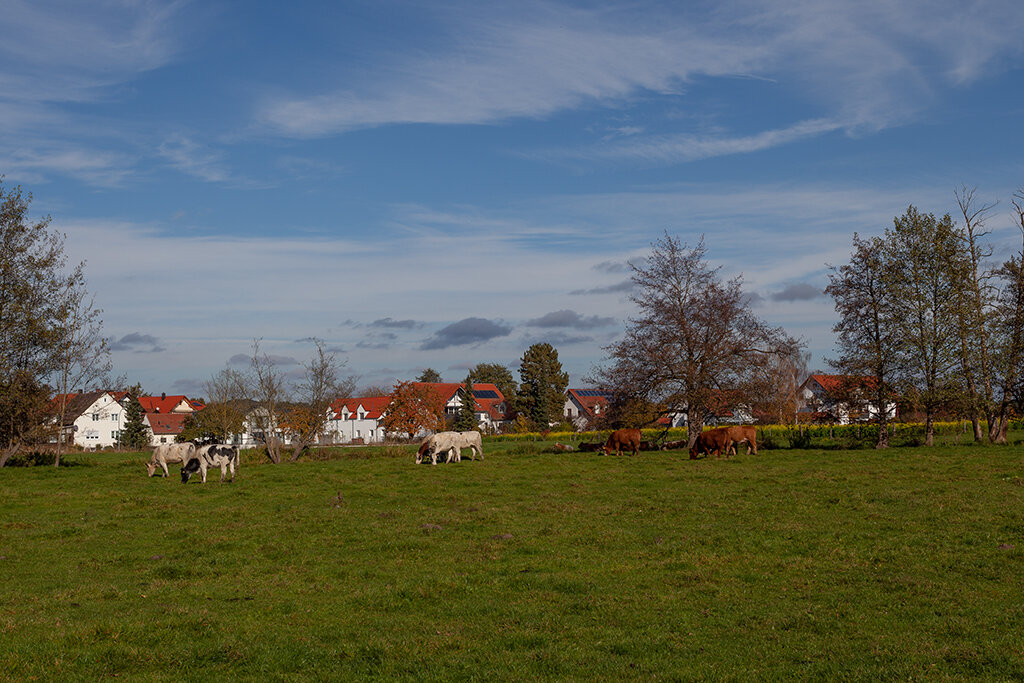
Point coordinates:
[(168, 453), (623, 438), (216, 455)]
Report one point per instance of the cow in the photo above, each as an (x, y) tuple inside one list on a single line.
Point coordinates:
[(563, 447), (168, 453), (215, 455), (713, 440), (673, 445), (741, 434), (623, 438), (585, 447), (450, 443)]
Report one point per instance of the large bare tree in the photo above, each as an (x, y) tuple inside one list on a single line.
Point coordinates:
[(973, 297), (695, 346)]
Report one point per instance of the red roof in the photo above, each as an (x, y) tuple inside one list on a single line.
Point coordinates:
[(169, 423), (373, 405), (833, 383), (588, 399), (165, 404)]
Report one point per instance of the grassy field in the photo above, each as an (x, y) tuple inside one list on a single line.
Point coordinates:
[(848, 565)]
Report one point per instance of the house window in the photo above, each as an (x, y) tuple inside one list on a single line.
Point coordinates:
[(95, 417), (163, 439)]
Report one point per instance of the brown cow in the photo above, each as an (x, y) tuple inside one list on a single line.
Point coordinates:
[(713, 440), (623, 438), (741, 434)]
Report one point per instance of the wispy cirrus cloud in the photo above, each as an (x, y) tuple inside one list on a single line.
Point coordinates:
[(852, 66)]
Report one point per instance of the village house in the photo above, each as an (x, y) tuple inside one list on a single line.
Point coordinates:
[(92, 419), (583, 407), (357, 420), (840, 399)]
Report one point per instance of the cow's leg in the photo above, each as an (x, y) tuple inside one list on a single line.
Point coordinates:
[(164, 466), (202, 470)]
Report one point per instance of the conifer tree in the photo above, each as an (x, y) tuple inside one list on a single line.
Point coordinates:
[(467, 414), (134, 435)]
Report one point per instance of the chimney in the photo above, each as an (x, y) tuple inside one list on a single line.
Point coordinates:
[(163, 396)]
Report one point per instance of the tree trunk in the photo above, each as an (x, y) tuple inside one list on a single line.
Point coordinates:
[(298, 450), (11, 450), (929, 429), (979, 435)]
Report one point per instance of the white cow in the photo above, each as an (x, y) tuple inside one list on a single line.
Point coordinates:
[(450, 443), (215, 455), (167, 453)]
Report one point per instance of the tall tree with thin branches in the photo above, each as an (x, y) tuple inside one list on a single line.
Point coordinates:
[(867, 331), (695, 346)]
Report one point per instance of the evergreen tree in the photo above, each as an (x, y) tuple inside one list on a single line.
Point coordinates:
[(429, 375), (543, 384), (134, 435), (467, 414)]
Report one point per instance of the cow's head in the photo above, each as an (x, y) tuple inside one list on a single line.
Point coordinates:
[(188, 469), (151, 468)]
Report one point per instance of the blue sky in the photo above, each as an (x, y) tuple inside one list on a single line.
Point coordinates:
[(443, 184)]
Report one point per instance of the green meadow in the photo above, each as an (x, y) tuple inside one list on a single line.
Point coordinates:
[(792, 564)]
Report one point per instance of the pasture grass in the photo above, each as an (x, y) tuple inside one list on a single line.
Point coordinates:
[(845, 565)]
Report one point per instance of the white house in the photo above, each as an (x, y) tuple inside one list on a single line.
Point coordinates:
[(841, 399), (93, 419), (357, 420), (584, 406)]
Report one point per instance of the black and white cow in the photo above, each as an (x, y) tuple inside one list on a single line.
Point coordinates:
[(205, 457)]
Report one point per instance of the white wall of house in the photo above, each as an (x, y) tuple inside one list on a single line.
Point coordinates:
[(100, 425)]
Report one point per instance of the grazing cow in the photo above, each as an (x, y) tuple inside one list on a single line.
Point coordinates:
[(450, 443), (215, 455), (623, 438), (741, 434), (168, 453), (713, 440)]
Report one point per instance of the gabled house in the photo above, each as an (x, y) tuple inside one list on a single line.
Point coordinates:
[(91, 420), (841, 399), (357, 420), (164, 428), (165, 416), (164, 404), (584, 406), (493, 412)]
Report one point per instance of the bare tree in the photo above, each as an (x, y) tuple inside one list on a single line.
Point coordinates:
[(973, 296), (82, 355), (225, 411), (867, 333), (269, 391), (318, 389), (695, 346)]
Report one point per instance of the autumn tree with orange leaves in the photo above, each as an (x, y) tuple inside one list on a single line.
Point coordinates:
[(414, 407)]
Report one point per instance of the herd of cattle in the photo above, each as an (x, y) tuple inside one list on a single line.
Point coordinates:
[(194, 459), (449, 445), (713, 441)]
